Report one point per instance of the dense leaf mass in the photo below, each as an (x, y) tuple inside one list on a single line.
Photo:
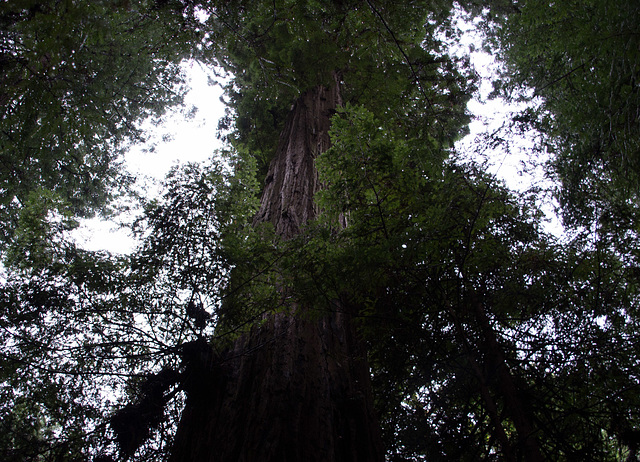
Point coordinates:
[(581, 60), (75, 80), (487, 338)]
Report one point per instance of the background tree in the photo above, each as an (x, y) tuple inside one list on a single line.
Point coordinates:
[(579, 61), (89, 333), (471, 308)]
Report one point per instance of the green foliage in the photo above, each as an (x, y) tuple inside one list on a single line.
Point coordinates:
[(578, 61), (427, 240), (75, 80), (201, 210), (581, 59), (40, 225), (367, 166), (56, 353), (385, 53), (88, 337)]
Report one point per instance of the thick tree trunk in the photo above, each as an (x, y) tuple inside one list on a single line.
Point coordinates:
[(294, 388)]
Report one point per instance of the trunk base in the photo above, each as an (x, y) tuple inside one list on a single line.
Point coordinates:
[(290, 390)]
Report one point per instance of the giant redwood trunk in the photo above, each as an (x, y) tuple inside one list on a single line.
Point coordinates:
[(295, 388)]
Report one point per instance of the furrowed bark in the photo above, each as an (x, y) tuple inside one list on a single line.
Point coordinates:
[(295, 387), (292, 180)]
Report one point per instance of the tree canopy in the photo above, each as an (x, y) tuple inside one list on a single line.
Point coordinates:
[(580, 60), (487, 338), (77, 78)]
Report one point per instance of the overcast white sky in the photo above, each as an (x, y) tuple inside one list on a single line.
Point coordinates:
[(179, 140), (186, 140)]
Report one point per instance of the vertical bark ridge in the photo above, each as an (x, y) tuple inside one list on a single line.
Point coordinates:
[(292, 180)]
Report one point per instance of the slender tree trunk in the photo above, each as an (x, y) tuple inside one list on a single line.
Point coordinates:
[(294, 388), (489, 401), (516, 406)]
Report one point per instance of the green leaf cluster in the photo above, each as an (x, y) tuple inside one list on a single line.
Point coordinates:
[(581, 60), (385, 53), (76, 79)]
